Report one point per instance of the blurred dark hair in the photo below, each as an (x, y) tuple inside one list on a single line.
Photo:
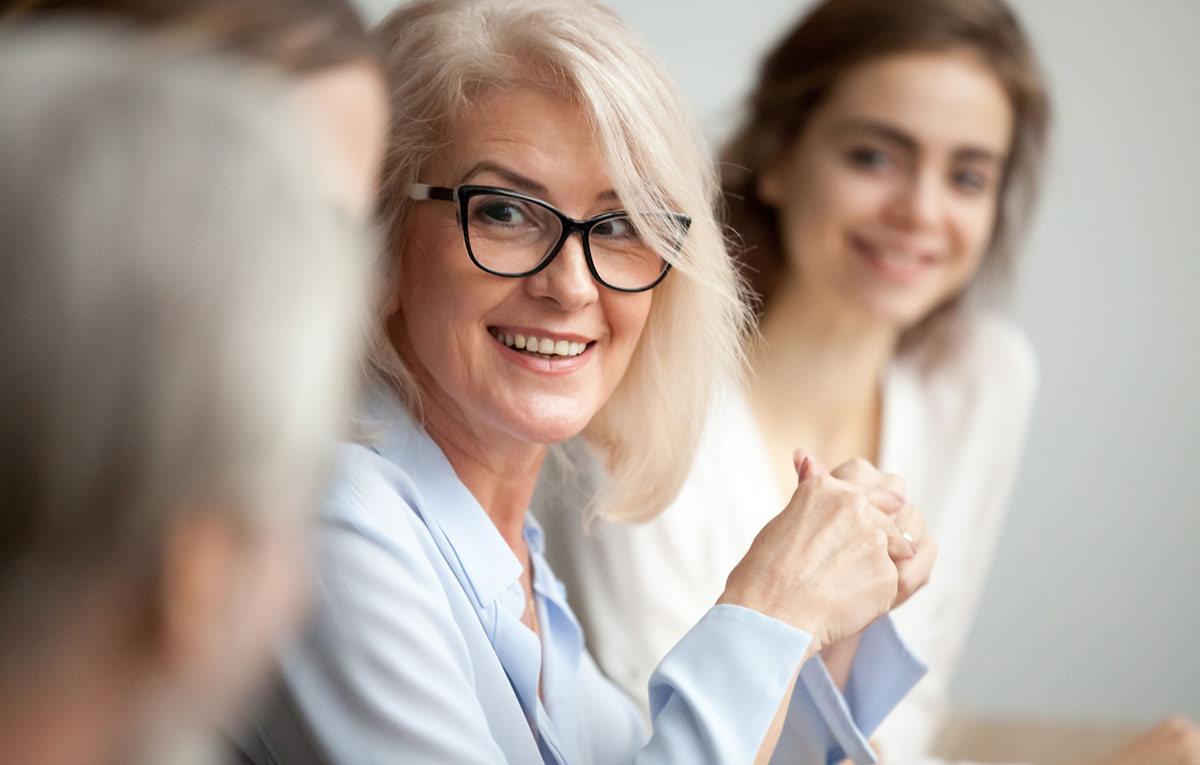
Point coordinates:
[(838, 35), (297, 36)]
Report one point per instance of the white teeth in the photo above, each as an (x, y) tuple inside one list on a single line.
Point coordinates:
[(543, 346)]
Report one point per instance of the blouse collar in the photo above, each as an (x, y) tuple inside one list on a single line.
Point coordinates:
[(484, 560)]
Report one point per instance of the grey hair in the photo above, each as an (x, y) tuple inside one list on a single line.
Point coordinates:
[(443, 56), (181, 297)]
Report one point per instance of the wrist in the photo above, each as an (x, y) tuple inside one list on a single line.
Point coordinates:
[(797, 614)]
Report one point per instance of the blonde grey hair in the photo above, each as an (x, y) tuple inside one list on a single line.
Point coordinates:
[(441, 57), (181, 300)]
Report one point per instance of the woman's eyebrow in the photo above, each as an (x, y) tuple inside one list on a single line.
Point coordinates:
[(980, 154), (523, 183), (905, 141), (519, 182), (883, 130)]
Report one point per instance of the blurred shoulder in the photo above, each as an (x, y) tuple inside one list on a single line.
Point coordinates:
[(995, 345), (986, 354)]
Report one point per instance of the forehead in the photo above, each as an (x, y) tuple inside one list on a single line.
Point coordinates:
[(535, 132), (941, 98)]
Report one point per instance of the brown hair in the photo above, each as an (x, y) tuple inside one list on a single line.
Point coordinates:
[(837, 35), (298, 36)]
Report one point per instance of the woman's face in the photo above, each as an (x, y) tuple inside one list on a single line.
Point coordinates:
[(346, 107), (888, 198), (452, 317)]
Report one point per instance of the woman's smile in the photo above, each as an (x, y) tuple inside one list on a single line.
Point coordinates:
[(900, 262), (543, 351)]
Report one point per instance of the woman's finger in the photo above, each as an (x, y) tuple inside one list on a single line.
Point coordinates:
[(915, 572), (886, 501), (807, 465), (893, 483), (861, 472), (910, 520), (899, 548), (857, 470)]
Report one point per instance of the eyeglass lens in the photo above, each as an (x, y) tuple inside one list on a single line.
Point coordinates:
[(509, 235)]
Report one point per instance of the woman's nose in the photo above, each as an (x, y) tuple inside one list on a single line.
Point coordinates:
[(917, 202), (567, 280)]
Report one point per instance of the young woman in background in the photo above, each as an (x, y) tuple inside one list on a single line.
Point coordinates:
[(883, 173)]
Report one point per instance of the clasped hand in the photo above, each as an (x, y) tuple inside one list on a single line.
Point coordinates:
[(847, 549)]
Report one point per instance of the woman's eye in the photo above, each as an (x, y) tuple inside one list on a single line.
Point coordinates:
[(503, 212), (971, 180), (615, 228), (867, 157)]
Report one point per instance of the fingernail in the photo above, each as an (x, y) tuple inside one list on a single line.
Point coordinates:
[(898, 497), (804, 468), (911, 543)]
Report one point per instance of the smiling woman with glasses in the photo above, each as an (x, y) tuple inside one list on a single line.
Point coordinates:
[(554, 270)]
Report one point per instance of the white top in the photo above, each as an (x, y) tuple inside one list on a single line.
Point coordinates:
[(953, 429)]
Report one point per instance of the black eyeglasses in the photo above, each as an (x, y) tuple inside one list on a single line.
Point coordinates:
[(511, 234)]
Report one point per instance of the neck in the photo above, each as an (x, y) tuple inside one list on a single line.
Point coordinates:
[(498, 469), (818, 368)]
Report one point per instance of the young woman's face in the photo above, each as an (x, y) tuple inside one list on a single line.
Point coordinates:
[(454, 320), (888, 198)]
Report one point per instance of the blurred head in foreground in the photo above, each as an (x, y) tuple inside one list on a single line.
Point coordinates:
[(320, 46), (180, 291)]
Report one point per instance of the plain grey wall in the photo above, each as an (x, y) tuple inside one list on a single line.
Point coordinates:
[(1093, 610)]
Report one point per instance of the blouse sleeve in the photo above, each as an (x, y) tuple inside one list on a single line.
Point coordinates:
[(715, 694), (825, 725)]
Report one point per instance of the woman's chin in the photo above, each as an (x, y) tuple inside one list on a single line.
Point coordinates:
[(895, 309), (555, 432), (547, 425)]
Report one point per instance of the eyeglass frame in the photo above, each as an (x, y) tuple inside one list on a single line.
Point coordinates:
[(462, 194)]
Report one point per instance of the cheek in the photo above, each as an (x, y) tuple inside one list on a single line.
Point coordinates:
[(434, 295), (824, 197), (627, 316), (974, 225)]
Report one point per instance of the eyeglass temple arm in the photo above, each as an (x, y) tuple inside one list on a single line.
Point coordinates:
[(420, 191)]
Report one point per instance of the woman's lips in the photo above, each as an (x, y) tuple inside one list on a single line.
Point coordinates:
[(541, 343), (560, 355), (902, 265)]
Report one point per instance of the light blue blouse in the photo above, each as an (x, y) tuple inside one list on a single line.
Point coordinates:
[(417, 652)]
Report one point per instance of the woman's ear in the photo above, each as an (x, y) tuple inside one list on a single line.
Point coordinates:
[(768, 183)]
